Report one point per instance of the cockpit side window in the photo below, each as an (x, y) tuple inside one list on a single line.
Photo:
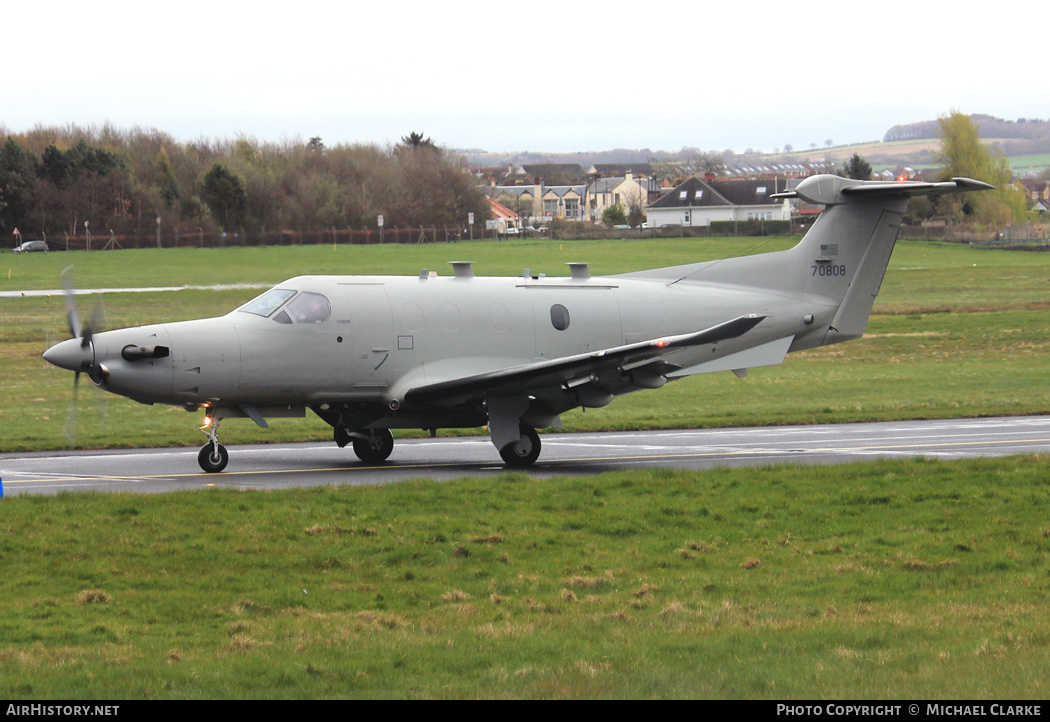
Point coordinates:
[(267, 303), (309, 308)]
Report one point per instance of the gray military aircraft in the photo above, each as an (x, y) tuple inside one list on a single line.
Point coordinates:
[(372, 353)]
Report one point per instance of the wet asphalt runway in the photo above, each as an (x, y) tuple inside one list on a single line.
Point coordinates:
[(277, 466)]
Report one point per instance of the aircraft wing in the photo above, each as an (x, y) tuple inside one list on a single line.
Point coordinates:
[(569, 369)]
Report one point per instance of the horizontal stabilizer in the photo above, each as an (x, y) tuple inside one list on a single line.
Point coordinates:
[(831, 189), (911, 188)]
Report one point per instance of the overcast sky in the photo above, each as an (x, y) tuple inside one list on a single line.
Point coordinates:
[(504, 76)]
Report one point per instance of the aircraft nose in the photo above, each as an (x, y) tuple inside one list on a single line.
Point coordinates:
[(69, 355)]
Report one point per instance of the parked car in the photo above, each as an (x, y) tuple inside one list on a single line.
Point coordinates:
[(30, 246)]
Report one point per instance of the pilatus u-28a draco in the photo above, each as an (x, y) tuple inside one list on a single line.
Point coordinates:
[(372, 353)]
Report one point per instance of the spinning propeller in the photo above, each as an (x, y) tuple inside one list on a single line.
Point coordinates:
[(79, 357), (78, 353)]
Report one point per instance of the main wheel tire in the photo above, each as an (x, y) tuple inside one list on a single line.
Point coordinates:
[(213, 460), (375, 449), (522, 453)]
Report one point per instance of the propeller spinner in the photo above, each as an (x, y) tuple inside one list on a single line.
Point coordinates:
[(78, 353)]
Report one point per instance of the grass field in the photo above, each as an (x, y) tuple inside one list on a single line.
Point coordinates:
[(902, 580), (956, 332), (1023, 164), (910, 579)]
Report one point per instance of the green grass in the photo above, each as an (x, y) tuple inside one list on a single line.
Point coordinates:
[(151, 267), (1034, 163), (894, 579), (956, 332), (904, 579)]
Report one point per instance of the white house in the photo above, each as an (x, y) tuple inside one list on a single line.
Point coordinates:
[(697, 203)]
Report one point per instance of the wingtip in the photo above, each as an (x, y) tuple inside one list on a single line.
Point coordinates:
[(971, 184)]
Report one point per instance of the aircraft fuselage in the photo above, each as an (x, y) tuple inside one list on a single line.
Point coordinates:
[(386, 334)]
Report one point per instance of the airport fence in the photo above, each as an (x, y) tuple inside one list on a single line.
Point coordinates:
[(175, 238), (1028, 235), (1023, 236)]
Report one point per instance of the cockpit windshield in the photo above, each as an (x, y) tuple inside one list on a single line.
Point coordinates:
[(306, 307), (267, 303)]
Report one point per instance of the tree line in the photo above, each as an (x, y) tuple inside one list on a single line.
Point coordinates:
[(53, 180)]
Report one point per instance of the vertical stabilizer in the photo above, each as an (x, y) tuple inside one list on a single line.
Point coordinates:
[(853, 240), (839, 263)]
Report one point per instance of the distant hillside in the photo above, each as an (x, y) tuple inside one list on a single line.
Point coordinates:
[(1023, 136), (914, 153), (910, 144), (481, 158)]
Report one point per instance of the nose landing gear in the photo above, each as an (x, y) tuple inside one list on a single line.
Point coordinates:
[(213, 456)]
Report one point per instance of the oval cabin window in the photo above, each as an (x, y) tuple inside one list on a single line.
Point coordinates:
[(559, 317)]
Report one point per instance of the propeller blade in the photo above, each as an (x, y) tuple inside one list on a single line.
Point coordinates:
[(72, 317), (98, 315), (65, 355)]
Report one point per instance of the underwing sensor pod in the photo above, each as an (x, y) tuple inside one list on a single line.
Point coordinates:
[(373, 353)]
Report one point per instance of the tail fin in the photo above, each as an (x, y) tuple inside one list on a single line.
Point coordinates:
[(853, 239), (842, 259)]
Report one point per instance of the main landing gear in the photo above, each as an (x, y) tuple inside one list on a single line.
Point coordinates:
[(213, 456), (522, 453), (372, 446)]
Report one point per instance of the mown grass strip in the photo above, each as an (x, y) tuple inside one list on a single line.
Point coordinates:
[(903, 579), (956, 332)]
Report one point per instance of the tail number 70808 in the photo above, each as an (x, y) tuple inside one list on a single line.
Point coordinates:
[(829, 270)]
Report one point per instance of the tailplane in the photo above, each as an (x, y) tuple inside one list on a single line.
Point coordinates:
[(853, 239), (841, 260)]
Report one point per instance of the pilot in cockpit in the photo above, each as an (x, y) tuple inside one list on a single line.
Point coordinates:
[(310, 308)]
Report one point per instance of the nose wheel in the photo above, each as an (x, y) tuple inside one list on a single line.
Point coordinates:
[(213, 456)]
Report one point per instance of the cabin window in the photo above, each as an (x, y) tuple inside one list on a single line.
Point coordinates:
[(309, 308), (559, 317)]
